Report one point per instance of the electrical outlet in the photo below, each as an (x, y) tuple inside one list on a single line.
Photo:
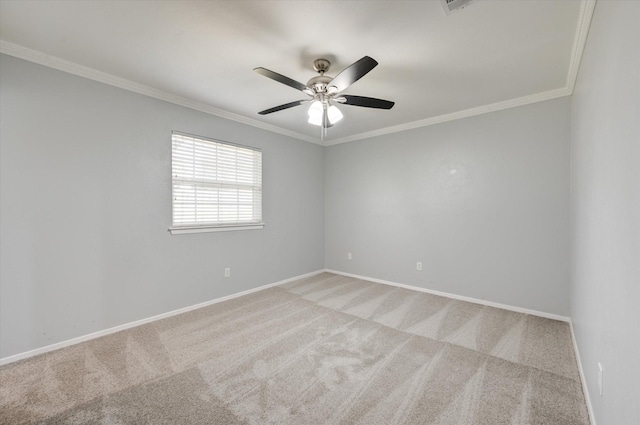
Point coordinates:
[(419, 265), (349, 256), (600, 378), (227, 272)]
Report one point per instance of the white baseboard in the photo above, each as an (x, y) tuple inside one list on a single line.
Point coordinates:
[(592, 418), (458, 297), (77, 340), (583, 380)]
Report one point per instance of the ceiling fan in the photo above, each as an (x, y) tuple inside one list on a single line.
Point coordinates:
[(324, 91)]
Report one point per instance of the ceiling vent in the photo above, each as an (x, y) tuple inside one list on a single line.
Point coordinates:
[(453, 5)]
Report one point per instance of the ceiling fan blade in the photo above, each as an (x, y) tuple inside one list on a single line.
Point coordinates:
[(281, 107), (367, 102), (282, 79), (352, 73)]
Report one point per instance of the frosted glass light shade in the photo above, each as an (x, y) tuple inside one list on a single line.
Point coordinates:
[(315, 113), (334, 114)]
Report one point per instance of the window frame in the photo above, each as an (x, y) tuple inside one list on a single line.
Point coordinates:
[(211, 226)]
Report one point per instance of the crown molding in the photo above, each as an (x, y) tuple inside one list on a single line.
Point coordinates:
[(498, 106), (582, 30), (579, 41), (40, 58)]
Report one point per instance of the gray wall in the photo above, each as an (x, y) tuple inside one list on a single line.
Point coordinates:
[(482, 202), (605, 211), (86, 203)]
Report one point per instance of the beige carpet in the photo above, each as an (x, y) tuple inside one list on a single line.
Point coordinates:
[(323, 350)]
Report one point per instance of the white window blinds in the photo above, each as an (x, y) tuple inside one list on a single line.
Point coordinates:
[(215, 183)]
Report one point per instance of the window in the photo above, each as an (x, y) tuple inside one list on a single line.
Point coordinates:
[(216, 185)]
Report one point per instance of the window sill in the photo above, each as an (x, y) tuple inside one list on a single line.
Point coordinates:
[(206, 229)]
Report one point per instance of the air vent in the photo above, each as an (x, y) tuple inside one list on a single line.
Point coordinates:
[(453, 5)]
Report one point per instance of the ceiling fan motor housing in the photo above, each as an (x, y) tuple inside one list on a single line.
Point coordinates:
[(319, 83)]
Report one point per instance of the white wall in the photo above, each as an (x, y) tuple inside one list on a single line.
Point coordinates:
[(482, 202), (86, 203), (605, 211)]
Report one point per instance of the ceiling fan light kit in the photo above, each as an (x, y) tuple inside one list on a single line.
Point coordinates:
[(323, 91), (317, 111)]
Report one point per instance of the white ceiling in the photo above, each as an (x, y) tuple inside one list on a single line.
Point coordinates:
[(488, 56)]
